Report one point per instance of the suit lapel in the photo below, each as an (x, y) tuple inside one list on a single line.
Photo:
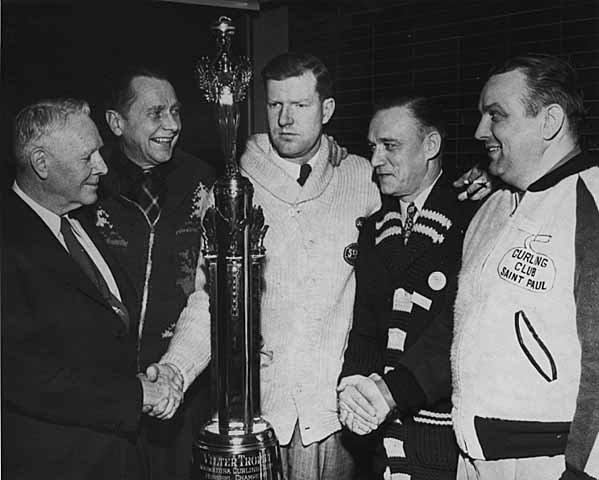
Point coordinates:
[(125, 286), (46, 251)]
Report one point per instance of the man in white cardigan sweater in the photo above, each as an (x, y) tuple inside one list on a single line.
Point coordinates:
[(309, 277)]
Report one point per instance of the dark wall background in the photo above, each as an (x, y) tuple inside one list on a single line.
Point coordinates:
[(59, 47), (445, 46), (74, 48)]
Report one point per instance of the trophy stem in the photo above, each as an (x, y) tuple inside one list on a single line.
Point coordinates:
[(237, 443)]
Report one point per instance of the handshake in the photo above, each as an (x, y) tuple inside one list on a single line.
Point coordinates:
[(162, 385), (363, 402)]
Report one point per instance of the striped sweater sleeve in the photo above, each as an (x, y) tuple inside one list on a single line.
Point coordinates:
[(582, 451)]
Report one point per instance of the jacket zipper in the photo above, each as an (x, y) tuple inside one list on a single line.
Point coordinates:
[(147, 275)]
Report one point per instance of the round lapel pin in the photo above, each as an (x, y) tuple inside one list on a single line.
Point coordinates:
[(437, 281)]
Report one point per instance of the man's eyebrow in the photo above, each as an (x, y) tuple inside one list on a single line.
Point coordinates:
[(494, 105)]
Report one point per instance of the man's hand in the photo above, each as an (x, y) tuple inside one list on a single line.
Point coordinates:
[(362, 406), (336, 153), (476, 184), (162, 389)]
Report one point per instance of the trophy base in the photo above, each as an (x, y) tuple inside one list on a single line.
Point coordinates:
[(237, 455)]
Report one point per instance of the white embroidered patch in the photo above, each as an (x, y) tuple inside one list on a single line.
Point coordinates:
[(103, 219), (436, 217), (388, 368), (430, 232), (400, 476), (402, 301), (387, 474), (106, 228), (198, 201), (422, 301), (396, 339), (388, 216), (394, 230), (169, 332), (394, 447), (527, 268)]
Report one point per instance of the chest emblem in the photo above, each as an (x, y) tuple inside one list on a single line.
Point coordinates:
[(527, 268), (350, 253)]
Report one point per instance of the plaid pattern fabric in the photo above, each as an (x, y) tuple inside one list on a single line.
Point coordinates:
[(409, 223), (149, 198)]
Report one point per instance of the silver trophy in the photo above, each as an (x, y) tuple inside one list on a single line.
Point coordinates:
[(237, 443)]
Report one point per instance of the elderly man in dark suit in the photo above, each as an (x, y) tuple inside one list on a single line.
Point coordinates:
[(71, 396)]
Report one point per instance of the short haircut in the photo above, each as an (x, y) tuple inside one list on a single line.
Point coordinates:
[(42, 118), (549, 79), (294, 64), (122, 94), (427, 111)]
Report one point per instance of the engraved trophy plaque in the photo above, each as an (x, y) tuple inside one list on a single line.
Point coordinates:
[(237, 443)]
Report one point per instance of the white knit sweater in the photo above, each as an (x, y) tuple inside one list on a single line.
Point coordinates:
[(309, 287)]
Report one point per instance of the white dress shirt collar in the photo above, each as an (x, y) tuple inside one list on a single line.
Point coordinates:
[(49, 217), (291, 168), (419, 200)]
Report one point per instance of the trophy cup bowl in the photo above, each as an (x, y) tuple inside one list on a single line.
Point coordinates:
[(237, 443)]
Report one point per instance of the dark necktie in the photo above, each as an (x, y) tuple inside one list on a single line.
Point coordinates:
[(80, 255), (149, 197), (305, 170), (409, 222)]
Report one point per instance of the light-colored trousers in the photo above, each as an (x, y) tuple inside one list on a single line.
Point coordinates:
[(324, 460)]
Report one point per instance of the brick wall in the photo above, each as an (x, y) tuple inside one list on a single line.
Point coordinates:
[(445, 47)]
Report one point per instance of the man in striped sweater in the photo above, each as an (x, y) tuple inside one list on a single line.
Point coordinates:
[(397, 368)]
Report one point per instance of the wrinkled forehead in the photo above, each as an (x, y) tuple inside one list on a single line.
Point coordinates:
[(297, 87), (152, 92), (392, 123), (78, 133), (503, 89)]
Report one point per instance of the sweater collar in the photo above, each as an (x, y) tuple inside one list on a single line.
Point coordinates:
[(124, 177), (264, 169), (575, 162)]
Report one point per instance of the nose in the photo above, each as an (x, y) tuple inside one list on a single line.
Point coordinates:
[(171, 122), (285, 116), (482, 130), (98, 165), (377, 158)]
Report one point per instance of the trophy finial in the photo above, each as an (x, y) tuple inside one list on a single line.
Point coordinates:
[(224, 80)]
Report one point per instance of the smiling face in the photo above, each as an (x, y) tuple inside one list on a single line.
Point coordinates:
[(74, 164), (512, 138), (149, 130), (404, 159), (296, 115)]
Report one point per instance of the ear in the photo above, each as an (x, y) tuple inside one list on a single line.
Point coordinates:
[(432, 145), (553, 121), (328, 108), (115, 121), (39, 162)]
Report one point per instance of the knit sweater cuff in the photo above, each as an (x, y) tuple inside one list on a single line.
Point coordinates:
[(189, 349), (406, 391), (361, 358)]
